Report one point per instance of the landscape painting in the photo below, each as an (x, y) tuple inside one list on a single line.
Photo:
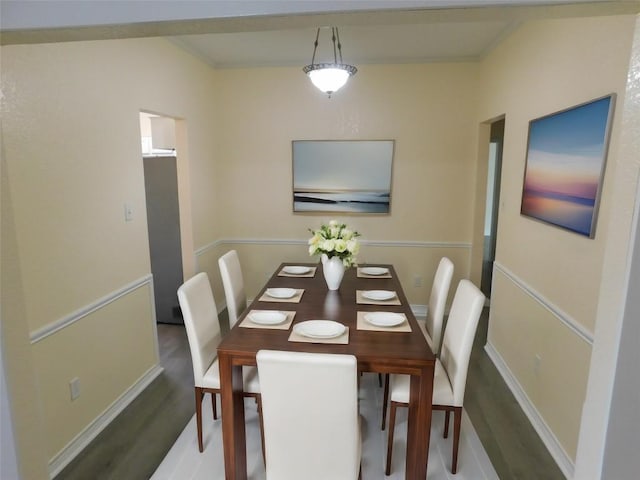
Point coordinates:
[(566, 156), (342, 176)]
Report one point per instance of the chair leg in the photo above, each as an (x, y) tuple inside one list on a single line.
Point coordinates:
[(259, 402), (385, 400), (199, 417), (214, 405), (446, 424), (457, 420), (392, 426)]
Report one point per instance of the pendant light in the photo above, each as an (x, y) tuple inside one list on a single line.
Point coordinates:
[(329, 77)]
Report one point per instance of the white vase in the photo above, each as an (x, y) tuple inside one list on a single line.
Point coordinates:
[(333, 270)]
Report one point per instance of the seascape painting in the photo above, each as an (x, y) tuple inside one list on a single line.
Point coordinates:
[(342, 176), (566, 156)]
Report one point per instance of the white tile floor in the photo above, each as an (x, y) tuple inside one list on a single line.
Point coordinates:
[(185, 462)]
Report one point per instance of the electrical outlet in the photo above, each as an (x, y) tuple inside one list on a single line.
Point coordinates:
[(74, 387), (417, 281), (128, 212)]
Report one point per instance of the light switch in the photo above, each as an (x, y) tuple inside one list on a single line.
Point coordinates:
[(74, 387)]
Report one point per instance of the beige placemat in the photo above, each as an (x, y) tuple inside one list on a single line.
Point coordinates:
[(364, 325), (341, 340), (361, 274), (247, 323), (311, 273), (295, 299), (366, 301)]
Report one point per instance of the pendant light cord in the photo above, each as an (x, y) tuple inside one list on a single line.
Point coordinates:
[(315, 47)]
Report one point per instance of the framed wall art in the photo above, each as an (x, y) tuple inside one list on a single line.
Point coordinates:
[(566, 157), (342, 176)]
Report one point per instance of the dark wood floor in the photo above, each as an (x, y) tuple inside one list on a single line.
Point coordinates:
[(133, 445)]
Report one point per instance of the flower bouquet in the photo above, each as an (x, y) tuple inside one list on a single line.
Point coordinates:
[(338, 246)]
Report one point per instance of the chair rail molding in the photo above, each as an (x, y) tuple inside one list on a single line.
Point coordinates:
[(296, 241), (70, 319), (565, 318)]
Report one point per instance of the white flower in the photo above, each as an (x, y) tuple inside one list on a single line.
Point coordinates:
[(328, 245), (335, 240), (353, 246)]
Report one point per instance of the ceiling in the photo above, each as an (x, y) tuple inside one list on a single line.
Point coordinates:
[(413, 43), (252, 35), (465, 32)]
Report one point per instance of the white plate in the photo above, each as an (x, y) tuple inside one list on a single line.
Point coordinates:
[(374, 270), (296, 270), (267, 317), (379, 295), (319, 329), (384, 319), (281, 292)]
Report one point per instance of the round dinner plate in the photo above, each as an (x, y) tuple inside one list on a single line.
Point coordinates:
[(296, 270), (379, 294), (319, 329), (267, 317), (384, 319), (281, 292), (374, 270)]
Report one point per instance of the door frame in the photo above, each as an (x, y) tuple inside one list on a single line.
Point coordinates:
[(480, 200)]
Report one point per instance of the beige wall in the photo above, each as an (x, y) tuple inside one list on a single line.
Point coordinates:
[(71, 159), (427, 109), (71, 144), (549, 275), (108, 351)]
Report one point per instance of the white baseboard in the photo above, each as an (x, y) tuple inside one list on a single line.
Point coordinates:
[(546, 435), (419, 311), (67, 454)]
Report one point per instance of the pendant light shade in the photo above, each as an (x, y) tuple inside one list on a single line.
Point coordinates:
[(329, 77)]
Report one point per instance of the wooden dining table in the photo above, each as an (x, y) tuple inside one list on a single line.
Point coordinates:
[(375, 351)]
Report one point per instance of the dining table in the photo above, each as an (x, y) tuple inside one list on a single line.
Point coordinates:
[(398, 349)]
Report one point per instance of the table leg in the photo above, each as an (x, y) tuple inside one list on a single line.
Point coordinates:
[(419, 424), (233, 425)]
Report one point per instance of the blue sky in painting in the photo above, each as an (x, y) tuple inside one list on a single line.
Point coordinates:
[(564, 165), (566, 150), (572, 132)]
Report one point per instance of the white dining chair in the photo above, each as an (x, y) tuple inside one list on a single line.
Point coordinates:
[(432, 327), (437, 302), (203, 332), (310, 415), (233, 284), (451, 367)]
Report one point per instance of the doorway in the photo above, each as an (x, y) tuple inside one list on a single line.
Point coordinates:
[(163, 214), (496, 140)]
